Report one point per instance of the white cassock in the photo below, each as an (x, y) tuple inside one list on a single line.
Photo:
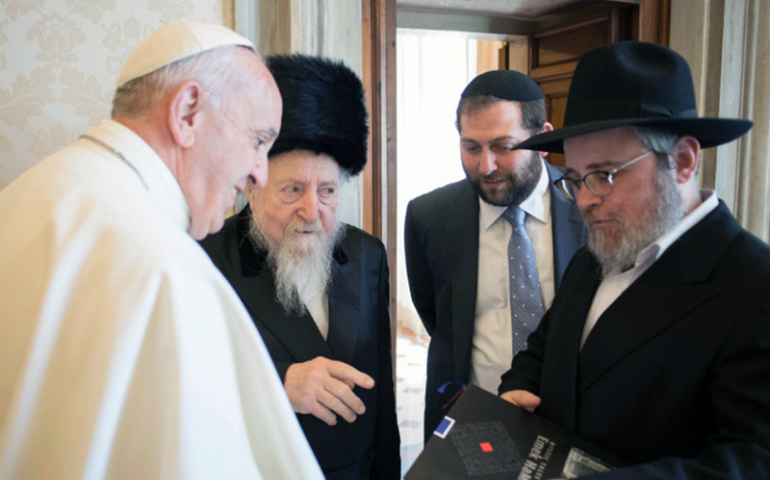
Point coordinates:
[(124, 353)]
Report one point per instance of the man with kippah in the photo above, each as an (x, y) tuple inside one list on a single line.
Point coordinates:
[(124, 351), (485, 255), (317, 289), (657, 344)]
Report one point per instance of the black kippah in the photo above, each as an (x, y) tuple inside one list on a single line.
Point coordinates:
[(505, 84)]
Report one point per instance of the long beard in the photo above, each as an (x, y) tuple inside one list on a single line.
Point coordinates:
[(301, 264), (662, 216)]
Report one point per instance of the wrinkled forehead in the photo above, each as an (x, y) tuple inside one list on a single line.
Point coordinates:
[(304, 166)]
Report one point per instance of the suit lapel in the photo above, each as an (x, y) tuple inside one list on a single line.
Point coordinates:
[(298, 333), (568, 230), (344, 308), (674, 285), (650, 305), (461, 229)]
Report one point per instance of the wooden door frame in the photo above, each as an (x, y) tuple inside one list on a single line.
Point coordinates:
[(379, 176)]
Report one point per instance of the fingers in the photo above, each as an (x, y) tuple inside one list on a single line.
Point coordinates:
[(323, 414), (340, 407), (523, 399), (328, 406), (350, 375), (350, 384), (344, 399), (324, 388)]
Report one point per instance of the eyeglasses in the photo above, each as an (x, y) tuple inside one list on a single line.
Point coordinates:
[(599, 182)]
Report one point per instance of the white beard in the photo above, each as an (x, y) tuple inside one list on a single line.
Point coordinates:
[(664, 215), (301, 265)]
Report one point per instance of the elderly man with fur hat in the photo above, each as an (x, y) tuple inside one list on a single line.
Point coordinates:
[(657, 345), (317, 289), (125, 353)]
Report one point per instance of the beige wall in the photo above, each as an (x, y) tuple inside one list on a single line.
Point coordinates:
[(59, 60), (727, 44)]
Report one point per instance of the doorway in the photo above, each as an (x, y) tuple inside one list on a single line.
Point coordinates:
[(433, 68)]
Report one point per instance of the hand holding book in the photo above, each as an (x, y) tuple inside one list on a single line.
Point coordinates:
[(522, 399)]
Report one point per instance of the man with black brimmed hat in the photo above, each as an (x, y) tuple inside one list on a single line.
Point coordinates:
[(657, 345), (476, 248), (317, 289), (125, 353)]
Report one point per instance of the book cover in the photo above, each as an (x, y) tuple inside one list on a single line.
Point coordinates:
[(484, 436)]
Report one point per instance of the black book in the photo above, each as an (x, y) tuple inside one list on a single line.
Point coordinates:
[(484, 436)]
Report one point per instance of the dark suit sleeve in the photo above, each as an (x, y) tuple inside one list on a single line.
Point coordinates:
[(740, 392), (387, 443), (417, 269)]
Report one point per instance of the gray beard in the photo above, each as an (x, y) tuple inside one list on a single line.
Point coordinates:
[(665, 214), (300, 274)]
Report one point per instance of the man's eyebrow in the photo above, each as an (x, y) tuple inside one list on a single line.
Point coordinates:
[(506, 138), (270, 133), (292, 179), (605, 165)]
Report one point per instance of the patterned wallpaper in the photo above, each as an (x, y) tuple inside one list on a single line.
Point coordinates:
[(59, 60)]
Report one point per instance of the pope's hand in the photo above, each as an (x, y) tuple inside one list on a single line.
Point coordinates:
[(522, 398), (324, 389)]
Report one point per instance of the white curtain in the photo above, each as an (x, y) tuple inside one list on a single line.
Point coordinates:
[(432, 71)]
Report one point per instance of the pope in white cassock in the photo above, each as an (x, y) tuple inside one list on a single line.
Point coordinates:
[(124, 353)]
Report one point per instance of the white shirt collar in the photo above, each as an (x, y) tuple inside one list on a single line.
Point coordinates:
[(534, 204), (164, 190)]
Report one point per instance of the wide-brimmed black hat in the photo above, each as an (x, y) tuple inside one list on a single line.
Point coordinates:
[(324, 110), (635, 84)]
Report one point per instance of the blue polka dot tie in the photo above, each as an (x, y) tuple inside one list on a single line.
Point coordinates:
[(526, 301)]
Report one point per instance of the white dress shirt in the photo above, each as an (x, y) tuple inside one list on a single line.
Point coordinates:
[(612, 287), (318, 307), (492, 337)]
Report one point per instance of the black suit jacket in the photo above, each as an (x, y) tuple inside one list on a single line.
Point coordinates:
[(441, 240), (675, 375), (359, 335)]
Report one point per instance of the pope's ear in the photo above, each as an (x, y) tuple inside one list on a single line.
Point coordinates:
[(184, 114)]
